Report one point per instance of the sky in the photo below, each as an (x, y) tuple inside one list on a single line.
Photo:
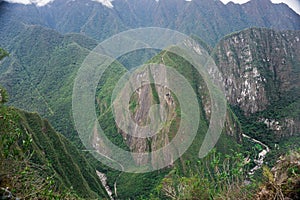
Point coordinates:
[(37, 2), (294, 4)]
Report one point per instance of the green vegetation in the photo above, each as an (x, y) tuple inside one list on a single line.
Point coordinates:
[(45, 163), (142, 185), (3, 95), (3, 53), (20, 176), (42, 82), (218, 176), (37, 162), (254, 126), (283, 180), (133, 103), (3, 92), (41, 77), (225, 177), (286, 107)]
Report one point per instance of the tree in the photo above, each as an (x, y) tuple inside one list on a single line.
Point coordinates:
[(3, 93), (3, 53)]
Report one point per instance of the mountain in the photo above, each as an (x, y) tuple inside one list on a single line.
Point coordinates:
[(53, 50), (259, 68), (39, 79), (237, 55), (210, 20), (31, 76), (38, 162)]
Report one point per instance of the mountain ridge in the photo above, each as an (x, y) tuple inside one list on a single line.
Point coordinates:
[(108, 3), (48, 44), (37, 162), (210, 20)]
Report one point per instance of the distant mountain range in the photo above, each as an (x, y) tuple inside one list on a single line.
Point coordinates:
[(255, 45), (209, 20), (109, 3)]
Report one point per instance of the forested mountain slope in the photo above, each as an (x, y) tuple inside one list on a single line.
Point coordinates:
[(238, 57), (38, 162), (210, 20), (40, 70), (47, 45)]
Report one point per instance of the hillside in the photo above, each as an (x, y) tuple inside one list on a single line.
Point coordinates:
[(209, 20), (40, 78), (140, 102), (240, 60), (31, 76), (37, 162), (258, 68)]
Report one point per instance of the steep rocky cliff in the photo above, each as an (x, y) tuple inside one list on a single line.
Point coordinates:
[(141, 102), (260, 70), (169, 113)]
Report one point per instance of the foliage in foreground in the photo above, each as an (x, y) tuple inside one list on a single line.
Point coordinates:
[(19, 176), (283, 180), (227, 179), (38, 163), (216, 178)]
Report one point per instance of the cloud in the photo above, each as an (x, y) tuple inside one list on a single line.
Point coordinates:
[(106, 3), (235, 1), (27, 2), (293, 4), (40, 3)]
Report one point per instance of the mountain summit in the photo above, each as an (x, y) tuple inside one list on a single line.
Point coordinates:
[(253, 46), (209, 20)]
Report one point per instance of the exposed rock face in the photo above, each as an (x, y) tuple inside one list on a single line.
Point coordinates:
[(253, 61), (231, 126), (148, 95), (283, 127), (0, 95), (259, 67), (142, 100)]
